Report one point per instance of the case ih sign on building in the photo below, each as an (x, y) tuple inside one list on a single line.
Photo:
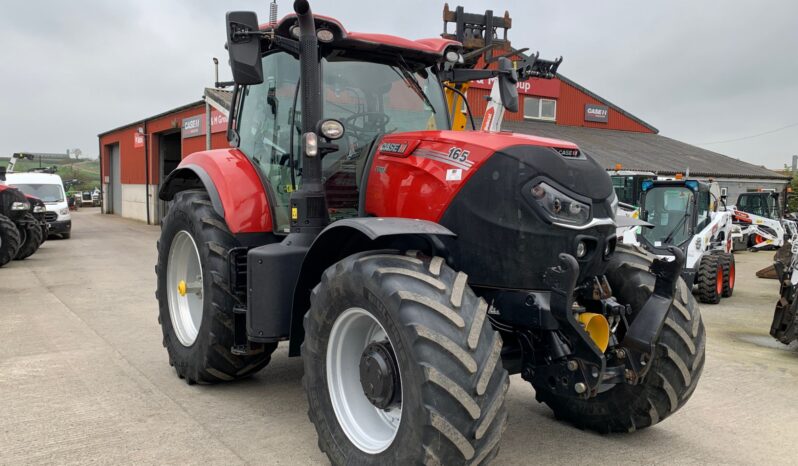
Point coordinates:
[(597, 113), (195, 125)]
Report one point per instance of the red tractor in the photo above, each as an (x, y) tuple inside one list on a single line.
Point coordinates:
[(411, 267), (20, 223)]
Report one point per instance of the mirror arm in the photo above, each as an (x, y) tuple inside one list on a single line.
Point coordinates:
[(283, 43), (457, 75)]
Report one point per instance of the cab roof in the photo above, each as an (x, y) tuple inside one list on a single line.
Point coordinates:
[(428, 51), (40, 178)]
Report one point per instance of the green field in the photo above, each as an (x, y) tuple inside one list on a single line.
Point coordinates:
[(85, 172)]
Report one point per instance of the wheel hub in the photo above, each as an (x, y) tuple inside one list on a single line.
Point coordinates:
[(379, 375)]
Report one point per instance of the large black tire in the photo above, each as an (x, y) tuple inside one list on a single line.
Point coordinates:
[(726, 262), (32, 239), (675, 367), (449, 358), (785, 318), (9, 240), (209, 359), (710, 279)]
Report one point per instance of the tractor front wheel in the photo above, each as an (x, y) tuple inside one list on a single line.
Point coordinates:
[(32, 239), (675, 367), (402, 365), (194, 296), (9, 240)]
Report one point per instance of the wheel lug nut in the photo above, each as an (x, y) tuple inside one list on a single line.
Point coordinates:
[(580, 388)]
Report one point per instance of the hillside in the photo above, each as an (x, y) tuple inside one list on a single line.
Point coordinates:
[(85, 172)]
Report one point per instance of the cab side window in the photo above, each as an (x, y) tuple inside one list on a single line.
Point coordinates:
[(702, 219), (265, 123)]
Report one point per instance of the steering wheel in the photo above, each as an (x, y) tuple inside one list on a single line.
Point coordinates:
[(378, 122)]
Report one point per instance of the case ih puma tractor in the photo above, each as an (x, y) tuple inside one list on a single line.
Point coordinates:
[(411, 267), (686, 214)]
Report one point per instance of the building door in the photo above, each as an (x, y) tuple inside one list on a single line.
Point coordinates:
[(116, 180), (169, 154)]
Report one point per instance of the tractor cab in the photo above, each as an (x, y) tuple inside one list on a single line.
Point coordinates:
[(370, 85), (677, 210), (628, 185)]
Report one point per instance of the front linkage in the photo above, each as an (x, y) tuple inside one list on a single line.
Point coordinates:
[(575, 363)]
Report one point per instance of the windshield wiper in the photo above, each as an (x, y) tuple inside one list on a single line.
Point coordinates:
[(404, 73), (678, 225)]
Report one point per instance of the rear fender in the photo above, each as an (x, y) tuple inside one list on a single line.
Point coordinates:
[(233, 184), (351, 236)]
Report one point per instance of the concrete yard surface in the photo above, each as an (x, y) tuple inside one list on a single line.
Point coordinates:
[(84, 378)]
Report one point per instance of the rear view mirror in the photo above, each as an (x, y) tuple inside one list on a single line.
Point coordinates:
[(507, 85), (243, 47)]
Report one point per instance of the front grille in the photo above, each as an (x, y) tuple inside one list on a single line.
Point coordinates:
[(50, 216)]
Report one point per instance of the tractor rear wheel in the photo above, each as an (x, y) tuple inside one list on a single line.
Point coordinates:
[(401, 364), (726, 261), (675, 367), (710, 279), (32, 238), (194, 296), (9, 240)]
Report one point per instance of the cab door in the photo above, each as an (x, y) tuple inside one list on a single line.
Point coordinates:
[(269, 131)]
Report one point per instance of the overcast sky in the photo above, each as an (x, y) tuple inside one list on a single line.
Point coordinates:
[(700, 71)]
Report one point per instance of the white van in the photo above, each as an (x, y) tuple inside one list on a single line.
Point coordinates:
[(50, 189)]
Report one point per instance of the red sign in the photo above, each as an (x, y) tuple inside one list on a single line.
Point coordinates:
[(218, 122), (537, 87), (138, 140), (195, 125)]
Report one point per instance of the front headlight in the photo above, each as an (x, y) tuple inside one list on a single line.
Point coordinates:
[(559, 207), (39, 209), (20, 205), (64, 211)]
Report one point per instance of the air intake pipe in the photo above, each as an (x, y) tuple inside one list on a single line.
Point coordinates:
[(308, 205)]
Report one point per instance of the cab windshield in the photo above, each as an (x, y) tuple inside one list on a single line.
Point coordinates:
[(763, 205), (49, 193), (370, 99), (669, 209)]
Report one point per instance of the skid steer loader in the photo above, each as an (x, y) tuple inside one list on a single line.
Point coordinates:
[(687, 214)]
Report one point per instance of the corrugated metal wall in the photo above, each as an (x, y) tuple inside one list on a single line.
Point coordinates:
[(571, 112), (133, 171)]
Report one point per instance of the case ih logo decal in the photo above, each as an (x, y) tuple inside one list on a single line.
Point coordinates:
[(597, 113), (567, 152), (456, 157), (393, 147)]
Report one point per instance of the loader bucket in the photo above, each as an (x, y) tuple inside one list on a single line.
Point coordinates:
[(768, 272)]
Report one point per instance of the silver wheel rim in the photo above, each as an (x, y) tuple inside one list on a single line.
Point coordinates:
[(369, 428), (184, 285)]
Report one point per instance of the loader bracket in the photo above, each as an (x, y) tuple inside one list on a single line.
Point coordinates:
[(577, 365), (644, 331)]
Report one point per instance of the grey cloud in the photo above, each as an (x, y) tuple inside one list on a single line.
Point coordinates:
[(699, 71)]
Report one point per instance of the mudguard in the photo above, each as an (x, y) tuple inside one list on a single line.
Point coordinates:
[(350, 236), (233, 184)]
